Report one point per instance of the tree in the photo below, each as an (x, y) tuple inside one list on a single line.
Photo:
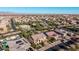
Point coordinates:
[(5, 45), (13, 24), (51, 39), (33, 45), (42, 43), (36, 46), (77, 46)]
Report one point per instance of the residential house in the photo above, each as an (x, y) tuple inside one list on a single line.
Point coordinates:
[(25, 27), (53, 34), (38, 38), (18, 44), (61, 32)]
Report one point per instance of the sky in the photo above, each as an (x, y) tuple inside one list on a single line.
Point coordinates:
[(41, 10)]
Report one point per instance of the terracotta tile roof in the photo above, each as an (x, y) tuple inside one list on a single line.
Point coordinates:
[(51, 33), (38, 36)]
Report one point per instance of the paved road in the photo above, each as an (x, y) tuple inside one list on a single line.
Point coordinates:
[(50, 45), (11, 33)]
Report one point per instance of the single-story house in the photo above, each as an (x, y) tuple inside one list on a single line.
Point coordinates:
[(18, 44), (53, 34)]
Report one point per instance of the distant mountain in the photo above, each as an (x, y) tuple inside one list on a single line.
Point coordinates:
[(8, 13), (21, 14)]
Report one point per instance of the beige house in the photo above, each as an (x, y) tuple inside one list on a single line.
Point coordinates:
[(25, 27), (38, 38), (3, 29), (3, 24)]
